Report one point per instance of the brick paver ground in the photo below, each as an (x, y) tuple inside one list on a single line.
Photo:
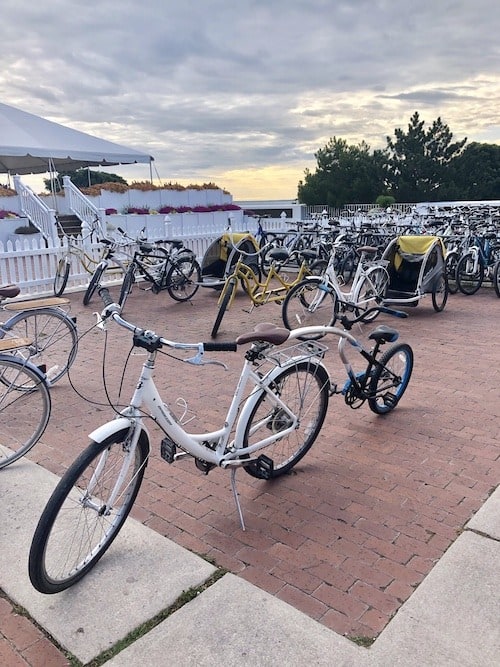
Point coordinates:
[(359, 523)]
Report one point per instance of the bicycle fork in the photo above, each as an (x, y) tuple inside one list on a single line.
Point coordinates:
[(105, 507)]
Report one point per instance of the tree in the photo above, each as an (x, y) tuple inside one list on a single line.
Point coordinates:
[(82, 178), (345, 174), (419, 161), (476, 173)]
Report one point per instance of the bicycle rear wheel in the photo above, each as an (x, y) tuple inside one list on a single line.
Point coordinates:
[(54, 339), (61, 277), (309, 303), (183, 278), (86, 511), (389, 380), (304, 389), (24, 408), (93, 285)]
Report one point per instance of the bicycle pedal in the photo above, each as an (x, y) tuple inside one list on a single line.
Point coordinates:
[(167, 450), (264, 467), (390, 400)]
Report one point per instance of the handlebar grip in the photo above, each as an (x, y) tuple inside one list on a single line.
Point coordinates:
[(105, 296), (122, 231), (220, 347)]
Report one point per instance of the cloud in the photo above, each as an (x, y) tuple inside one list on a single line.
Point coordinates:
[(214, 89)]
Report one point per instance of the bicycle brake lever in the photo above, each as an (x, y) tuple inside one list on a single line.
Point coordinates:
[(101, 322), (198, 360)]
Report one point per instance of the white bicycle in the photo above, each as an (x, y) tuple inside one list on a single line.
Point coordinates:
[(317, 299), (279, 405)]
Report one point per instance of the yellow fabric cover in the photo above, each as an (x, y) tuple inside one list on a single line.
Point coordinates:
[(228, 240), (415, 245)]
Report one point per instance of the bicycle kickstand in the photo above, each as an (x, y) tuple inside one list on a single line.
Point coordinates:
[(236, 497)]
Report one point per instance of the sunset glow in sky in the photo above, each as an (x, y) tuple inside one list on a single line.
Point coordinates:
[(243, 94)]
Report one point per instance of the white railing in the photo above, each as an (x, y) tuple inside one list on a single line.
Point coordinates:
[(82, 207), (37, 212)]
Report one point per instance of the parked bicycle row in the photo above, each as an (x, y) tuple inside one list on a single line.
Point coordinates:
[(170, 265)]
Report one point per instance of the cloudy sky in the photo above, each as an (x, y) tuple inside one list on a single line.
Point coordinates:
[(244, 93)]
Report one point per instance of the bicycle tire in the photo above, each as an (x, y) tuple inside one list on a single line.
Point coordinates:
[(469, 280), (389, 380), (266, 260), (309, 304), (451, 271), (128, 281), (61, 277), (224, 301), (255, 268), (371, 291), (440, 293), (318, 267), (76, 526), (348, 268), (25, 407), (93, 285), (54, 339), (496, 278), (183, 278), (304, 388)]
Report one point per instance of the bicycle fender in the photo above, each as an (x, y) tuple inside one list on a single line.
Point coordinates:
[(102, 432)]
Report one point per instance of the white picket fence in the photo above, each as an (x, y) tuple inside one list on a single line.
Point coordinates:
[(31, 262)]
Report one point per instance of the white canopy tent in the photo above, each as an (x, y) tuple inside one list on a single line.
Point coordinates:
[(30, 144)]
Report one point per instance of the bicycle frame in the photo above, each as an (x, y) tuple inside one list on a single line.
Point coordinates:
[(73, 249), (331, 284), (261, 292), (357, 385), (213, 447), (153, 266)]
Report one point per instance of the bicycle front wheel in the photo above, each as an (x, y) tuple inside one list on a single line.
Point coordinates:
[(224, 301), (183, 278), (126, 288), (309, 303), (469, 275), (86, 511), (24, 408), (61, 277), (54, 339), (94, 283), (304, 389), (389, 380), (372, 290)]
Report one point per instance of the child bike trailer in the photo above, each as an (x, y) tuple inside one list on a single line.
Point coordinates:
[(222, 254), (416, 267)]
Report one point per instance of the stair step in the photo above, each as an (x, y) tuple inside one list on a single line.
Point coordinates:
[(71, 224)]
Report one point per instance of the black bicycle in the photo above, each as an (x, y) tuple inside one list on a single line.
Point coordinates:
[(174, 269)]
